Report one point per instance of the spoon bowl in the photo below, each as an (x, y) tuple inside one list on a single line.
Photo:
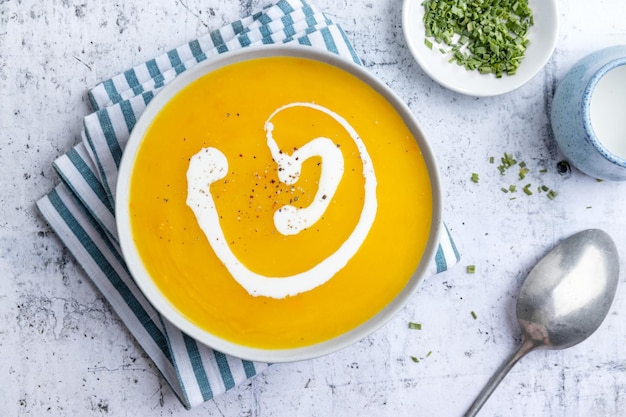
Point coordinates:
[(564, 299)]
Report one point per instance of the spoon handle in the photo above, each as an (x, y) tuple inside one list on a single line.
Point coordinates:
[(525, 347)]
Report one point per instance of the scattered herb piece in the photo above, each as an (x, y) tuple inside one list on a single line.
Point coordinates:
[(417, 360), (507, 161), (522, 172), (527, 190), (415, 326), (474, 315), (471, 269)]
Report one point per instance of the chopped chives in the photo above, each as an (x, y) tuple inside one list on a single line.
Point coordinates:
[(507, 161), (474, 315), (417, 360), (491, 33), (415, 326), (527, 190), (474, 177), (522, 172), (471, 269)]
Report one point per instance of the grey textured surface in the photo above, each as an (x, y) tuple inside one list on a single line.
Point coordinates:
[(63, 352)]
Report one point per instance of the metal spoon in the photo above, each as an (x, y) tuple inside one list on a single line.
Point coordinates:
[(563, 300)]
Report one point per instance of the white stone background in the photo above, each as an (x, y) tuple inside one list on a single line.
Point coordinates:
[(63, 352)]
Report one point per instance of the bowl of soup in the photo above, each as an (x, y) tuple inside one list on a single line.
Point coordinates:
[(278, 203)]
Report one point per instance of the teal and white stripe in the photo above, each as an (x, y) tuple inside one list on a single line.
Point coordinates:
[(81, 208), (78, 173), (180, 359), (82, 237), (447, 254)]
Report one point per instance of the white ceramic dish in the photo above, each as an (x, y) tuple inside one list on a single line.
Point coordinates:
[(542, 35), (169, 311)]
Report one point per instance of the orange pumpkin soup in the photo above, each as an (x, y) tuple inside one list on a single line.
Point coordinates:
[(279, 202)]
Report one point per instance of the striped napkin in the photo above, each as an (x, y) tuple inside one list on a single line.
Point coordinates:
[(80, 208)]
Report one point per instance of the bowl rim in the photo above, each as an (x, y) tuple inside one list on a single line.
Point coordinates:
[(160, 302)]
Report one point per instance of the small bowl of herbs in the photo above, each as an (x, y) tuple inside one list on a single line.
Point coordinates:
[(481, 47)]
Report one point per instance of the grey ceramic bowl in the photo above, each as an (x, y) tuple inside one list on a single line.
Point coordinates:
[(571, 116), (158, 299)]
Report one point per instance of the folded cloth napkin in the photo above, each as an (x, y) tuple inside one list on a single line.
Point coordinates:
[(80, 208)]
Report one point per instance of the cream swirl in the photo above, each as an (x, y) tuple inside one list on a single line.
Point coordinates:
[(210, 165)]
